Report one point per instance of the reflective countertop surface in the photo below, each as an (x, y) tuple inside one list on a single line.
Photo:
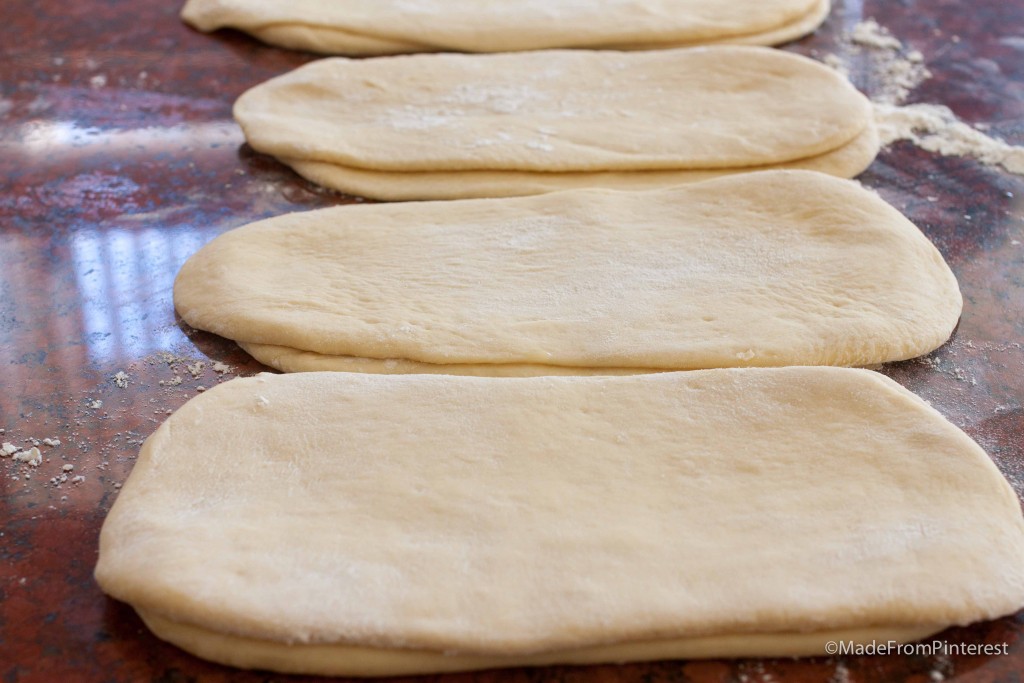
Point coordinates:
[(119, 159)]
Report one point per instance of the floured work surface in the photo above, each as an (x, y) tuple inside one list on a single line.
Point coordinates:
[(773, 268), (368, 27), (451, 126), (359, 524)]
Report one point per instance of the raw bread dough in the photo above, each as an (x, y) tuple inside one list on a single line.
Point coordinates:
[(771, 268), (293, 360), (292, 522), (373, 27), (845, 162), (714, 109), (349, 660)]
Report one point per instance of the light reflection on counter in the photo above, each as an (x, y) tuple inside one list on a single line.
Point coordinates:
[(125, 280), (42, 139)]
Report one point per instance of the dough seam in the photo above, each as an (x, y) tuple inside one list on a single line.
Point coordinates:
[(324, 38), (846, 161), (354, 660)]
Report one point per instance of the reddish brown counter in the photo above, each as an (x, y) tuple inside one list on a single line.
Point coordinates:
[(118, 159)]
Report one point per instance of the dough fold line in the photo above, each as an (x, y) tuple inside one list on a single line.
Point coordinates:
[(325, 38), (846, 161), (355, 660)]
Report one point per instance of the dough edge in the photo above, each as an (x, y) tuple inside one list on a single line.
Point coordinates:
[(328, 40), (287, 359), (338, 659), (270, 124), (289, 352), (846, 161), (226, 649)]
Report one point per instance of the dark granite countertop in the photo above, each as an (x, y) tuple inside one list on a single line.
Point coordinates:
[(119, 158)]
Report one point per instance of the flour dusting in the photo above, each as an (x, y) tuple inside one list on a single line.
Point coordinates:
[(935, 128), (870, 34), (893, 70)]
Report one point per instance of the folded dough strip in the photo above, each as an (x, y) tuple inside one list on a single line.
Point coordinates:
[(756, 269), (845, 162), (776, 36), (719, 107), (297, 27), (352, 660), (292, 522), (328, 40), (294, 360)]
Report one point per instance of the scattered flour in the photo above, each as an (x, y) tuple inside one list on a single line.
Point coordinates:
[(168, 358), (941, 669), (935, 128), (893, 71), (836, 62), (30, 457), (870, 34), (841, 675), (195, 367)]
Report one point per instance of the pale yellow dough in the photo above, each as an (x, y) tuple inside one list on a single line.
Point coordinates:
[(352, 660), (359, 524), (759, 269), (510, 121), (374, 27), (287, 359), (845, 162)]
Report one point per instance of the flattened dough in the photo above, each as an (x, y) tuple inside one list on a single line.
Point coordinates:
[(844, 162), (292, 522), (375, 27), (287, 359), (772, 268), (561, 113)]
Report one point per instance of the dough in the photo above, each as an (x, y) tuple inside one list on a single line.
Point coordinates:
[(713, 107), (845, 162), (357, 524), (373, 27), (682, 114), (771, 268), (292, 360)]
